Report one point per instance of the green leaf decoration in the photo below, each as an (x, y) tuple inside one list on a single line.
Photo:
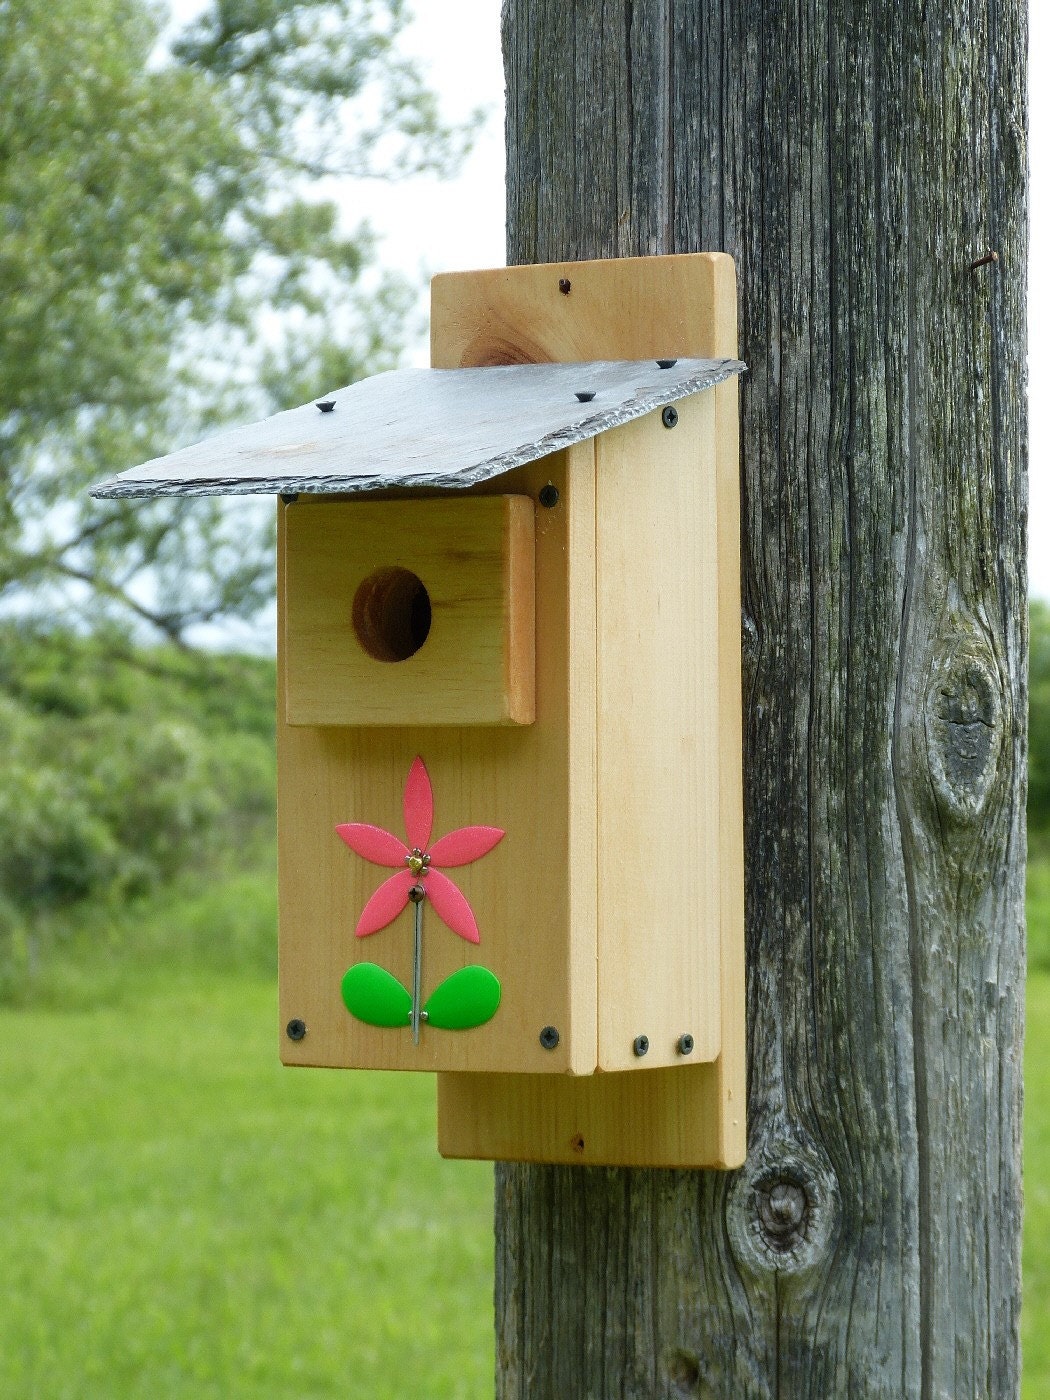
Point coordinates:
[(468, 998), (375, 996)]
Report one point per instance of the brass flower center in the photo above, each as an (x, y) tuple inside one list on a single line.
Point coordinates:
[(417, 862)]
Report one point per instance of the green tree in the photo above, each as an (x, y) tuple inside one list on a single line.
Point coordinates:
[(170, 256)]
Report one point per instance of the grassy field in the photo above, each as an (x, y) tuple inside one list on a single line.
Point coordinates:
[(183, 1218), (1035, 1320), (1035, 1328)]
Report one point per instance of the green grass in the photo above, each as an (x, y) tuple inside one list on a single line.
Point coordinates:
[(1035, 1317), (182, 1217)]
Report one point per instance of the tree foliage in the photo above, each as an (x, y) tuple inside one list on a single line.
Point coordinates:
[(125, 768), (170, 256)]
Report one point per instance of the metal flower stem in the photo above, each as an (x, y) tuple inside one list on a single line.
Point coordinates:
[(417, 962)]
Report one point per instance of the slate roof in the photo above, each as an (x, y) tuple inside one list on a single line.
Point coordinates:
[(448, 428)]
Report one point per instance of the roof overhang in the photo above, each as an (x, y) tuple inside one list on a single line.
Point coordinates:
[(442, 428)]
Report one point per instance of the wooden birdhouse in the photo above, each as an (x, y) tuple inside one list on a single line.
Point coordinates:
[(509, 823)]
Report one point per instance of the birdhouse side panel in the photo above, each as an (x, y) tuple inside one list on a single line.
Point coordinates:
[(659, 991)]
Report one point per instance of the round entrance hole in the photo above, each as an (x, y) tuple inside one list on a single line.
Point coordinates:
[(391, 614)]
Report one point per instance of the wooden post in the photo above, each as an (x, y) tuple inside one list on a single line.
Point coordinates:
[(856, 158)]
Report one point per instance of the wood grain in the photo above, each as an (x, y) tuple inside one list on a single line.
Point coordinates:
[(855, 159), (659, 759), (475, 557)]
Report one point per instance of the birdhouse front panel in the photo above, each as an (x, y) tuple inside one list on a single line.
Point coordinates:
[(523, 908)]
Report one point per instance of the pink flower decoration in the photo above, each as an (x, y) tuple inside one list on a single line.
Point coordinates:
[(419, 858)]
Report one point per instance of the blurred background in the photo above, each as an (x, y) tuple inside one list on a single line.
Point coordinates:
[(211, 212)]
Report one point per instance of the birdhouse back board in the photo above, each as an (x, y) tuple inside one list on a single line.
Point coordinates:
[(693, 1114)]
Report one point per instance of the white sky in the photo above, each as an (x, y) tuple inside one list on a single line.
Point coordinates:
[(430, 226)]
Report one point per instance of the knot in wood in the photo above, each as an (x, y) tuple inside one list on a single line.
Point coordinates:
[(964, 731), (684, 1375), (783, 1209)]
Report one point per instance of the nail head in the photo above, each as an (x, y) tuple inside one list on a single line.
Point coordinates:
[(585, 395), (326, 405), (666, 364)]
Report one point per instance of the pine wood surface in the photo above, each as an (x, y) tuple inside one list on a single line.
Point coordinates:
[(662, 503), (476, 559), (659, 927), (855, 159), (482, 775)]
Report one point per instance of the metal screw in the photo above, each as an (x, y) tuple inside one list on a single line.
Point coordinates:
[(685, 1044), (669, 417), (549, 1037), (289, 497), (417, 894), (564, 286), (585, 395), (326, 405), (641, 1045), (549, 495), (296, 1029), (666, 364)]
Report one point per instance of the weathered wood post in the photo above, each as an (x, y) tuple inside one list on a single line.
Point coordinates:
[(857, 158)]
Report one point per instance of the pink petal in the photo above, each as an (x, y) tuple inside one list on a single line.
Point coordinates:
[(385, 905), (450, 904), (419, 805), (467, 844), (379, 846)]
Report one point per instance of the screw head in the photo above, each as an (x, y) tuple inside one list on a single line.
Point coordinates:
[(289, 497), (549, 495), (685, 1044), (585, 395), (326, 405), (417, 894), (669, 417), (564, 286), (295, 1029), (665, 364), (549, 1037), (641, 1045)]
